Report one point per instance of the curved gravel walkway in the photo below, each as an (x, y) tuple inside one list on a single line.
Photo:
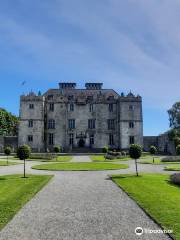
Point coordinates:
[(80, 206)]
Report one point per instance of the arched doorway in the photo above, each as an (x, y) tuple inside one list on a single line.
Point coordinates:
[(81, 142)]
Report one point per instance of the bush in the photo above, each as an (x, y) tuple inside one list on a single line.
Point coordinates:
[(57, 149), (135, 151), (171, 159), (23, 152), (123, 153), (153, 150), (175, 178), (105, 149), (109, 157), (178, 150), (7, 151)]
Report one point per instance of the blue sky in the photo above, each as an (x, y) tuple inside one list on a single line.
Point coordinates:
[(127, 44)]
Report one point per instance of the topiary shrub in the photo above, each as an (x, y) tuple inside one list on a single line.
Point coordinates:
[(175, 178), (178, 150), (105, 149), (135, 152), (7, 151), (23, 153), (153, 151)]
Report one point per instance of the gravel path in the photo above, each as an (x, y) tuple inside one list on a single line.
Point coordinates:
[(80, 206)]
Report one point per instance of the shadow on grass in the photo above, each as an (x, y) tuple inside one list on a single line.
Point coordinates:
[(125, 176)]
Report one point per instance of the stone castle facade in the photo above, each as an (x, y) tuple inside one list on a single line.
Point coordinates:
[(73, 118)]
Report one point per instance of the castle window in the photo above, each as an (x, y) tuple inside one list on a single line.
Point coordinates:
[(111, 139), (51, 138), (91, 107), (91, 139), (71, 107), (131, 107), (71, 139), (51, 124), (91, 123), (111, 107), (111, 124), (131, 140), (71, 97), (50, 97), (110, 98), (30, 123), (131, 124), (71, 123), (31, 106), (51, 107), (90, 98), (30, 138)]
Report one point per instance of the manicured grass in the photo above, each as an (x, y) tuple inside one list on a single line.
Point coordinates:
[(15, 191), (83, 166), (156, 196), (100, 158), (4, 163), (172, 168)]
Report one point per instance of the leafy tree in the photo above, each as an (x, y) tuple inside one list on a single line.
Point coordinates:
[(135, 152), (57, 150), (174, 115), (176, 141), (178, 150), (23, 153), (8, 123), (153, 151), (7, 151)]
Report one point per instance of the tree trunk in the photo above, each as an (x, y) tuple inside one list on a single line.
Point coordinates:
[(136, 168), (24, 168), (153, 159), (7, 159)]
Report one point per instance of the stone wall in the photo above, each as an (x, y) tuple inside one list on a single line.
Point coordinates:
[(8, 141)]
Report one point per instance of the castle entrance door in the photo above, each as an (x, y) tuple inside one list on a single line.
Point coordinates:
[(81, 142)]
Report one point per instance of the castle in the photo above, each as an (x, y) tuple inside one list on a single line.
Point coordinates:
[(73, 118)]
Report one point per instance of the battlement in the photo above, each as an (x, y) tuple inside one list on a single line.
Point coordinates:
[(65, 85), (93, 86)]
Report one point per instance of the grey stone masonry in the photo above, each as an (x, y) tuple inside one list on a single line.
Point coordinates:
[(92, 118)]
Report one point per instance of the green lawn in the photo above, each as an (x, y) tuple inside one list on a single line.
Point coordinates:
[(4, 163), (156, 196), (15, 191), (172, 168), (60, 159), (100, 158), (83, 166)]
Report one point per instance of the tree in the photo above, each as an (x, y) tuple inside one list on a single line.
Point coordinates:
[(178, 150), (176, 141), (153, 151), (135, 152), (7, 151), (105, 149), (57, 150), (8, 123), (23, 153)]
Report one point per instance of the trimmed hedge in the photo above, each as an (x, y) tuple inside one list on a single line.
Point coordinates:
[(171, 159), (175, 178)]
